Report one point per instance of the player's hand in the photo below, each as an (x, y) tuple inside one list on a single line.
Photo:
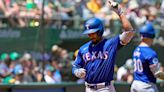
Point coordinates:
[(159, 75), (80, 73), (115, 7)]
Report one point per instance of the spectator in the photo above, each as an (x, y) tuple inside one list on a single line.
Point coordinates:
[(18, 74), (48, 77), (39, 77), (124, 72), (94, 5)]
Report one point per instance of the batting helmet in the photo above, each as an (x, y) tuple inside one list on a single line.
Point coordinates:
[(93, 25), (147, 31)]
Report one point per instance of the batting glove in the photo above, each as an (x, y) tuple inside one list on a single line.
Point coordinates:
[(115, 7), (80, 73)]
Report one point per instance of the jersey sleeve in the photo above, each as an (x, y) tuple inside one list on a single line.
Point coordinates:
[(126, 37), (154, 64), (78, 63), (153, 59), (116, 42)]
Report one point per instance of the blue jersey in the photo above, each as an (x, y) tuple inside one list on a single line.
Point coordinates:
[(98, 60), (143, 57)]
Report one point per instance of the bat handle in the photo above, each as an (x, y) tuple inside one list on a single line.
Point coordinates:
[(110, 2)]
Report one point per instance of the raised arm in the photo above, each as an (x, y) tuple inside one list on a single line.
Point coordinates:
[(125, 22), (128, 33), (117, 8)]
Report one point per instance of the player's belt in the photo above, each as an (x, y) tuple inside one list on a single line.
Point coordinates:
[(97, 85)]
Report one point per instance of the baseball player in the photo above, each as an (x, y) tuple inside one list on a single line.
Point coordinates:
[(95, 60), (146, 64)]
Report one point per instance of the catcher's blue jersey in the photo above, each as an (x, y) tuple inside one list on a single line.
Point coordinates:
[(98, 60), (143, 57)]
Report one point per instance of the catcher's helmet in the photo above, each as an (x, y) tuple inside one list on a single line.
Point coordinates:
[(93, 25), (147, 31)]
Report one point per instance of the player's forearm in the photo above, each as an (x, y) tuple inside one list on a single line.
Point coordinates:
[(125, 23), (117, 8), (155, 69), (126, 36), (73, 70)]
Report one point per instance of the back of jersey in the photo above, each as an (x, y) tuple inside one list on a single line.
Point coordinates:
[(143, 57)]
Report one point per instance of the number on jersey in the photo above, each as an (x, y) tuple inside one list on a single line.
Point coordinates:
[(138, 65)]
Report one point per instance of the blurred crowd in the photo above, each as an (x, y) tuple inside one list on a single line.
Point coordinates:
[(65, 14), (72, 13), (55, 66)]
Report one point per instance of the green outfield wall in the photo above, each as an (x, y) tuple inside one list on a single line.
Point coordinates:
[(42, 39), (63, 87)]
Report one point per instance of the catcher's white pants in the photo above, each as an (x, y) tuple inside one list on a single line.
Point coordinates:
[(109, 88)]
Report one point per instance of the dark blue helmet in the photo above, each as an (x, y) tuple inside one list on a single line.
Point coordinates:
[(147, 30), (93, 25)]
